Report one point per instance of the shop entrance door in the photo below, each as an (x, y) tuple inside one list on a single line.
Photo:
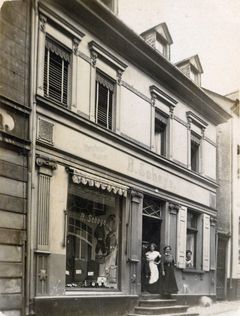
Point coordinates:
[(151, 231)]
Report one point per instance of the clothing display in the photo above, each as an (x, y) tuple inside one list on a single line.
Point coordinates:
[(168, 284)]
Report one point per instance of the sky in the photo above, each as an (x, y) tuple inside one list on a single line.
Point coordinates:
[(209, 28)]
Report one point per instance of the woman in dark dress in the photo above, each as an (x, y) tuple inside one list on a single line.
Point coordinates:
[(168, 284)]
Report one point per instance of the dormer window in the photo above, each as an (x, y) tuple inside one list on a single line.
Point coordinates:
[(192, 68), (159, 38), (111, 4)]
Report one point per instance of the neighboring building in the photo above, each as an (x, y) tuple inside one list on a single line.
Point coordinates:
[(124, 152), (228, 198), (14, 148)]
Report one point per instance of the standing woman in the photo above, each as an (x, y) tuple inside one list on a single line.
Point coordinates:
[(168, 282), (153, 258)]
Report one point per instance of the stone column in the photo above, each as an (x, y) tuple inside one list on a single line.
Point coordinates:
[(46, 167), (135, 242)]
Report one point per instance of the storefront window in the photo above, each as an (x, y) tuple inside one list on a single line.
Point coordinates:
[(92, 238)]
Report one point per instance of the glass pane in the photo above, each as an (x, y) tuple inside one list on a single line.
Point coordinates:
[(93, 247)]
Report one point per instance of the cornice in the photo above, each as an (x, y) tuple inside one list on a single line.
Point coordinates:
[(192, 117), (14, 105)]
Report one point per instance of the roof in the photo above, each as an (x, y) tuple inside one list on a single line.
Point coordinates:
[(162, 30), (134, 49)]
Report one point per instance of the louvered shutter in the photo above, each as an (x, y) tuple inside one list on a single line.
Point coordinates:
[(56, 72), (181, 237), (206, 242), (104, 101)]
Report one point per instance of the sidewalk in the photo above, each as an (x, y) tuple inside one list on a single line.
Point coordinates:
[(226, 308)]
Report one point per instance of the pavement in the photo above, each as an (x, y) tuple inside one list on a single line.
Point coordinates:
[(226, 308)]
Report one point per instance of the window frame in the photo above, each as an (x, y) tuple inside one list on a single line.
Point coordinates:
[(195, 146)]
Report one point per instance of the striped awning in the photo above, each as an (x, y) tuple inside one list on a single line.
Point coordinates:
[(91, 180)]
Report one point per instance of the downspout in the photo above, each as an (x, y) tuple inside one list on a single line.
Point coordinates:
[(31, 161), (231, 177)]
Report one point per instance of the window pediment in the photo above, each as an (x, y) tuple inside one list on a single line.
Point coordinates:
[(191, 117), (158, 94), (102, 53)]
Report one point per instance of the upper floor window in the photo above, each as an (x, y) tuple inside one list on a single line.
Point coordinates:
[(195, 152), (56, 72), (160, 133), (104, 110)]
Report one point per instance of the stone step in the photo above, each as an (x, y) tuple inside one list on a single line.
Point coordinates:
[(162, 310), (156, 302), (178, 314)]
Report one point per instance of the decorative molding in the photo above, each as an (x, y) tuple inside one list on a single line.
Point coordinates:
[(137, 92), (209, 141), (192, 117), (7, 122), (213, 221), (93, 59), (42, 161), (160, 95), (176, 118), (136, 197), (84, 57), (106, 55), (75, 43), (42, 23), (59, 21), (173, 207), (119, 77)]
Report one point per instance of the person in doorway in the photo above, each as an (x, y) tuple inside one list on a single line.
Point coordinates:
[(153, 258), (168, 284), (189, 263)]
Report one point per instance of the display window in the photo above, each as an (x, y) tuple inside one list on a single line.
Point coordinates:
[(92, 238)]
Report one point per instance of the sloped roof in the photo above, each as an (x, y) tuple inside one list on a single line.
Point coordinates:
[(162, 30)]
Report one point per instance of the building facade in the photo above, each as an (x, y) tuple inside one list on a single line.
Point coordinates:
[(14, 149), (123, 153), (228, 200)]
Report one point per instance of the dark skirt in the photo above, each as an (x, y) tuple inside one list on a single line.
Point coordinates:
[(168, 284)]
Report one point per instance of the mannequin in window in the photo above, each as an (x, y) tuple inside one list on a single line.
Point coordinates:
[(153, 258), (189, 263)]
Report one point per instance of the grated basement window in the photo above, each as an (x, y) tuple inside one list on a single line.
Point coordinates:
[(104, 101), (56, 72)]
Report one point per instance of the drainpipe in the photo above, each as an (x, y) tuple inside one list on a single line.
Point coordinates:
[(232, 205), (31, 160)]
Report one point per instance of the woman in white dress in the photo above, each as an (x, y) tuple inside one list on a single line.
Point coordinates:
[(153, 258)]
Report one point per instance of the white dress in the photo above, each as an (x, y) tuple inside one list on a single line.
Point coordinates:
[(151, 256)]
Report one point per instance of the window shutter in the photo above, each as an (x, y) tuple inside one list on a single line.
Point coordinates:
[(206, 242), (56, 72), (181, 237)]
